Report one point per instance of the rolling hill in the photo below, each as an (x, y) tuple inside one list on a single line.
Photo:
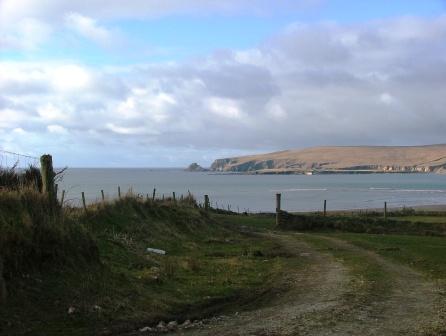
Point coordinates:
[(341, 159)]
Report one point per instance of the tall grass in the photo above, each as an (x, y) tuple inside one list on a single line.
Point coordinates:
[(32, 234), (15, 179)]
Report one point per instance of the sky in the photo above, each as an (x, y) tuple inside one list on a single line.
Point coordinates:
[(164, 83)]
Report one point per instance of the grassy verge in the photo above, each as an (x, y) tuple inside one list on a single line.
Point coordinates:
[(423, 253), (208, 267)]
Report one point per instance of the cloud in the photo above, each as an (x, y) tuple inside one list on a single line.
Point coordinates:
[(312, 84), (28, 24), (88, 28), (57, 129), (11, 10), (26, 34)]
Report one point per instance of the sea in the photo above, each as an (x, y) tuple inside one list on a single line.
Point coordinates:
[(256, 193)]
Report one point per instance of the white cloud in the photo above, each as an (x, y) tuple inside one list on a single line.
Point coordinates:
[(226, 108), (125, 130), (57, 129), (50, 112), (26, 33), (88, 28), (310, 85), (387, 99), (69, 77), (12, 10)]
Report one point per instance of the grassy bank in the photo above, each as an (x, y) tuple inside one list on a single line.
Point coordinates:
[(77, 273)]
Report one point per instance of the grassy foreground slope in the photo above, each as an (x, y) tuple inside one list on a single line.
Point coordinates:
[(73, 273)]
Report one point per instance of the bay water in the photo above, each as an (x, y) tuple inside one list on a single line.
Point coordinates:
[(257, 192)]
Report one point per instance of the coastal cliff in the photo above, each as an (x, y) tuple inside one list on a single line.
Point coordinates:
[(340, 159)]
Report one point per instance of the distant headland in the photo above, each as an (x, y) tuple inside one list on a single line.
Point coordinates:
[(340, 159)]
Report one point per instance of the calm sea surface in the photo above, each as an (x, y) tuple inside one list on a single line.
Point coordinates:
[(257, 192)]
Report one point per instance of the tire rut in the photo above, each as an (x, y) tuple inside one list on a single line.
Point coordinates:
[(327, 298), (319, 287)]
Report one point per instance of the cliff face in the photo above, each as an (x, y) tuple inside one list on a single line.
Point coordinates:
[(359, 159)]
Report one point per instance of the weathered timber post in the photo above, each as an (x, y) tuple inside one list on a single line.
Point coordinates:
[(173, 197), (325, 208), (278, 198), (385, 210), (62, 198), (154, 193), (119, 192), (102, 196), (206, 202), (83, 202), (3, 292), (47, 172)]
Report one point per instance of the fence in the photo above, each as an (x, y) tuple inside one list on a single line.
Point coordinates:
[(17, 161), (283, 218)]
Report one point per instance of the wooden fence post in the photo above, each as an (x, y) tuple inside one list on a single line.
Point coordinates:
[(206, 202), (102, 196), (63, 197), (83, 202), (119, 192), (173, 197), (278, 201), (154, 193), (385, 210), (325, 208), (47, 172)]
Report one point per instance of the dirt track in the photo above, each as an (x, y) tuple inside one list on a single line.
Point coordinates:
[(328, 298)]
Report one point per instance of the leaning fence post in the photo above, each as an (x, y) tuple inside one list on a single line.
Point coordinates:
[(385, 210), (47, 172), (102, 196), (63, 197), (206, 202), (119, 192), (154, 193), (325, 208), (278, 197), (83, 202)]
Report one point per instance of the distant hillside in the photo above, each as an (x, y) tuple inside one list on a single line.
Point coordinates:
[(349, 159)]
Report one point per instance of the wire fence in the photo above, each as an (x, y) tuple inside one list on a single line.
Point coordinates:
[(17, 161)]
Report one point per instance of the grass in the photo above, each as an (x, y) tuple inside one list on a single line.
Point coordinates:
[(402, 223), (423, 253), (368, 277), (209, 266)]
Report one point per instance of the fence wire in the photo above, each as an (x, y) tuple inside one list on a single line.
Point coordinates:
[(17, 161)]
